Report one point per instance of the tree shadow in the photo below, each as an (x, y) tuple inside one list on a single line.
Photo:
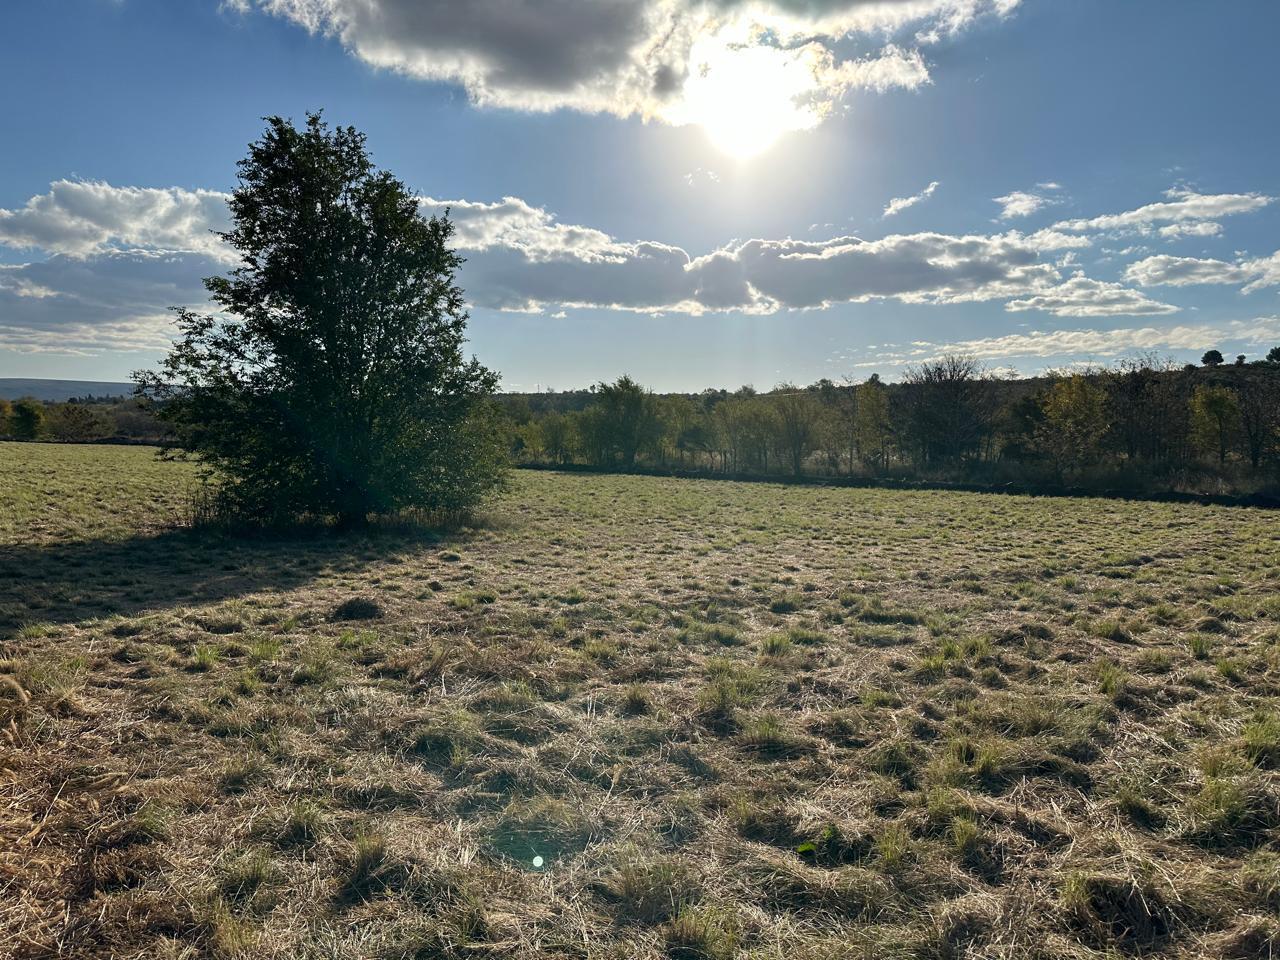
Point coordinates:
[(72, 582)]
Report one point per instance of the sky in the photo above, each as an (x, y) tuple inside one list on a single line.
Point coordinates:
[(696, 192)]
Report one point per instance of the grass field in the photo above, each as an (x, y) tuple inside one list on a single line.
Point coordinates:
[(633, 717)]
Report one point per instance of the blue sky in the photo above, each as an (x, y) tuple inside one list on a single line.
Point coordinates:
[(692, 191)]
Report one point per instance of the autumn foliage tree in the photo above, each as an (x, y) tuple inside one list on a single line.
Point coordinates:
[(1074, 424)]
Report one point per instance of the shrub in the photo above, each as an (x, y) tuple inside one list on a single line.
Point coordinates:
[(27, 419)]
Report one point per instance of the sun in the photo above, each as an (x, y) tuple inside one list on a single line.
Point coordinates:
[(746, 95)]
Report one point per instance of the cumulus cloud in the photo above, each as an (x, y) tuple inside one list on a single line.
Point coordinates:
[(81, 218), (119, 257), (1082, 296), (519, 257), (1170, 271), (1200, 228), (912, 268), (629, 57), (87, 304), (1020, 203), (898, 204), (893, 68), (1182, 208), (115, 260), (1164, 270), (511, 222)]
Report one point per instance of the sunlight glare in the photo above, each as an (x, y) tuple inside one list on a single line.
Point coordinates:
[(746, 95)]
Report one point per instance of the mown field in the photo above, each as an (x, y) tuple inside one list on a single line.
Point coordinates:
[(633, 717)]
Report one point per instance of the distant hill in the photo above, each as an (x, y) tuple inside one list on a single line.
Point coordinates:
[(56, 391)]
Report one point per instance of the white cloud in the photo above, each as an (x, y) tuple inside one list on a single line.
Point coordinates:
[(1082, 296), (1184, 206), (632, 57), (1170, 271), (513, 223), (768, 275), (893, 68), (519, 257), (1164, 270), (898, 204), (1196, 228), (1019, 203), (1263, 331), (110, 301), (119, 257), (81, 218), (116, 259), (1050, 239)]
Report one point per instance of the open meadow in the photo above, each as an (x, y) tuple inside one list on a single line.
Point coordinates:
[(631, 717)]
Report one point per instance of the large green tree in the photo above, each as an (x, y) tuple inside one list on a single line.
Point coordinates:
[(628, 418), (1259, 398), (332, 382)]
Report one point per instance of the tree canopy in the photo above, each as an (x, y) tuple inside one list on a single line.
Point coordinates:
[(332, 381)]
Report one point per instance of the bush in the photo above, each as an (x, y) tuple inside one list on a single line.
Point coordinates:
[(79, 422), (27, 419)]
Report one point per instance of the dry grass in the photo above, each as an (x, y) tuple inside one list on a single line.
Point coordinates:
[(633, 717)]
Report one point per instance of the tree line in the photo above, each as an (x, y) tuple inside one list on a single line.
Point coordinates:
[(1143, 424), (121, 419)]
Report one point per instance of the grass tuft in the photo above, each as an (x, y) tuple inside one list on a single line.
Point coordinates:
[(704, 933)]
